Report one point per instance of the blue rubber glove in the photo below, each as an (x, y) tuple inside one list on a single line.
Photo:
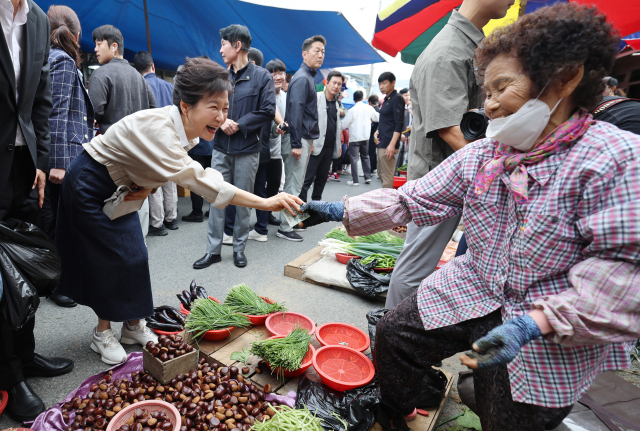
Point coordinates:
[(322, 212), (502, 344)]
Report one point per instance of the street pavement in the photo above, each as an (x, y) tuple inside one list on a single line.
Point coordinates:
[(67, 332)]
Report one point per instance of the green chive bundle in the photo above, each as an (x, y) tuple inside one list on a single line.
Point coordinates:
[(288, 419), (284, 353), (360, 249), (207, 315), (242, 299)]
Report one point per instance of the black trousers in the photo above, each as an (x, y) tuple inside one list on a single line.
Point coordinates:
[(18, 200), (317, 173), (373, 155), (49, 212), (197, 200), (404, 350), (267, 184)]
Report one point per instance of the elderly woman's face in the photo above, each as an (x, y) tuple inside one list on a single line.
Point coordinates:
[(208, 115), (506, 87)]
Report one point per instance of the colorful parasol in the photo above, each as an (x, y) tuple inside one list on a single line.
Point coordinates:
[(408, 26)]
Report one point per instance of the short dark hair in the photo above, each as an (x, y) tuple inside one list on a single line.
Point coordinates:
[(111, 35), (276, 65), (404, 90), (334, 73), (373, 99), (288, 77), (306, 45), (198, 78), (358, 96), (237, 33), (142, 61), (256, 55), (552, 43), (386, 76)]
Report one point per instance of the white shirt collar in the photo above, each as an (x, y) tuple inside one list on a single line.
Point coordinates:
[(23, 10), (177, 120)]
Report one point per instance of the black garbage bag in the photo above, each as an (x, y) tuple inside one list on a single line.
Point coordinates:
[(365, 280), (322, 401), (360, 406), (33, 253), (373, 317), (19, 298)]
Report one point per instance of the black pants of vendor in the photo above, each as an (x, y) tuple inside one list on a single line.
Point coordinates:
[(197, 200), (404, 350), (18, 200), (317, 173)]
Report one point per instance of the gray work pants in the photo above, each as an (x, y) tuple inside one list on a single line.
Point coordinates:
[(163, 204), (294, 171), (422, 252), (361, 147), (239, 170)]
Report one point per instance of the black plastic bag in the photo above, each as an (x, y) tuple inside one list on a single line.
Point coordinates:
[(359, 406), (432, 389), (33, 253), (365, 280), (19, 298), (373, 317), (322, 401)]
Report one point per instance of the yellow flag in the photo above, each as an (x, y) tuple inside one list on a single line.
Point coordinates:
[(510, 18)]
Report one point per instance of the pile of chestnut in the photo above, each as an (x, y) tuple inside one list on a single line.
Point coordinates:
[(213, 398), (144, 420), (168, 347)]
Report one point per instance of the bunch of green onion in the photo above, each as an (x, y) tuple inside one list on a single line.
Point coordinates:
[(242, 299), (383, 260), (207, 315), (283, 353), (360, 249), (288, 419), (381, 237)]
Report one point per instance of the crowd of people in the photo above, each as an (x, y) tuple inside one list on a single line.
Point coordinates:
[(547, 198)]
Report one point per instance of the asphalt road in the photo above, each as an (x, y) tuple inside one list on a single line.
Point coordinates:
[(67, 332)]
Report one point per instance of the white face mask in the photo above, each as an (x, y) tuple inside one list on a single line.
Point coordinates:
[(520, 130)]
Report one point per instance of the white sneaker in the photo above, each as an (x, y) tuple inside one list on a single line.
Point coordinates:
[(361, 174), (140, 334), (351, 183), (367, 181), (111, 351), (227, 239), (257, 237)]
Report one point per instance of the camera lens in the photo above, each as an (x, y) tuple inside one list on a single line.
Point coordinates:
[(474, 124)]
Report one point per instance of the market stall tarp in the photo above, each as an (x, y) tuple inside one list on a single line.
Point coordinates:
[(179, 29)]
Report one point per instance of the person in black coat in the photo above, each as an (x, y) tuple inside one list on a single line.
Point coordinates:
[(25, 106)]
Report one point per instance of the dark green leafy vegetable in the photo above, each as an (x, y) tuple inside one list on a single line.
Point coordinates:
[(284, 353), (383, 260), (240, 356), (242, 299)]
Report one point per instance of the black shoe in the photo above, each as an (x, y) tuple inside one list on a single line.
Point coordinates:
[(206, 261), (291, 236), (24, 405), (47, 367), (239, 259), (206, 214), (193, 217), (157, 231), (273, 220), (173, 225), (62, 301)]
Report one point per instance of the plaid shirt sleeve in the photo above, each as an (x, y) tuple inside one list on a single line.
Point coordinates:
[(603, 305), (430, 200), (63, 74)]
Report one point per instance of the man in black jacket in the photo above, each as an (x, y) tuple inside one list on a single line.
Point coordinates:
[(302, 118), (25, 106), (236, 147)]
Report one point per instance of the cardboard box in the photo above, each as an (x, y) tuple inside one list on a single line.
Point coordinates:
[(165, 371)]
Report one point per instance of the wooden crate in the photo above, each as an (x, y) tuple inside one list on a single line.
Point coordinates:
[(182, 192), (165, 371)]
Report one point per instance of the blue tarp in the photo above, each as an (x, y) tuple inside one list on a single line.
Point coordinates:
[(188, 28)]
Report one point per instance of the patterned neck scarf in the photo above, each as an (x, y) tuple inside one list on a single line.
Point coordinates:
[(509, 159)]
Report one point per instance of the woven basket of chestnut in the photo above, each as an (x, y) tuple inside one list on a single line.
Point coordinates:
[(211, 398), (168, 357)]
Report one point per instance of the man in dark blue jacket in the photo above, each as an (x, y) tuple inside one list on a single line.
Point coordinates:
[(302, 118), (236, 147)]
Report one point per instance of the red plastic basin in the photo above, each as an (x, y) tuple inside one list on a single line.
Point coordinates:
[(399, 182), (342, 368), (341, 334), (345, 257), (284, 323), (185, 311), (218, 334), (150, 406), (159, 332), (259, 320), (307, 361), (4, 399), (403, 173)]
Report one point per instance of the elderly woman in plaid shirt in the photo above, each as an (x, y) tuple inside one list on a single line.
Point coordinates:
[(548, 294)]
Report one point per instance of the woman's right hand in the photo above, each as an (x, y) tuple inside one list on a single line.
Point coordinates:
[(322, 212), (284, 201), (137, 193)]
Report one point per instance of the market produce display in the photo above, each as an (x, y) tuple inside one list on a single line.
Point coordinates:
[(284, 353), (207, 315), (187, 297), (376, 238), (403, 168), (360, 249), (213, 398), (288, 419), (142, 419), (242, 299), (168, 347), (382, 260), (400, 229), (166, 318)]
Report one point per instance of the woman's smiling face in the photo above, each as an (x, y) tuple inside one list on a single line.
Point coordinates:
[(204, 119), (507, 88)]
